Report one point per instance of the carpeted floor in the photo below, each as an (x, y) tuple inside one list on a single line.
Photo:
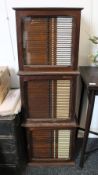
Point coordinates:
[(90, 164)]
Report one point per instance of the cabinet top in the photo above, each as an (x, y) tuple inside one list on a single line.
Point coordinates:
[(55, 9), (89, 75)]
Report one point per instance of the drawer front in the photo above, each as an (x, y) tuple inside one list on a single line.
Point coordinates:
[(47, 144), (50, 98), (7, 127), (8, 158), (7, 145)]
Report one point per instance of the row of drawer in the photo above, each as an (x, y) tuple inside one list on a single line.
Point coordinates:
[(11, 141)]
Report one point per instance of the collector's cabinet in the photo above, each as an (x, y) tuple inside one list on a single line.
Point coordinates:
[(48, 42)]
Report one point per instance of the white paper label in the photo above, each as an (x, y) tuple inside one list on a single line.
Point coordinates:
[(93, 84)]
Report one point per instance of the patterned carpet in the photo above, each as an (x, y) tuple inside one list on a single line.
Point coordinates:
[(90, 165)]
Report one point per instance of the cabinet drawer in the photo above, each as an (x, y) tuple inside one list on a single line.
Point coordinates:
[(7, 127), (7, 145), (50, 144), (8, 158), (50, 98)]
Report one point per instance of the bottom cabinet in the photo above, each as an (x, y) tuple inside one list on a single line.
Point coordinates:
[(50, 145)]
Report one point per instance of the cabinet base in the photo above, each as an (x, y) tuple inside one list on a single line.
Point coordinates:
[(51, 163)]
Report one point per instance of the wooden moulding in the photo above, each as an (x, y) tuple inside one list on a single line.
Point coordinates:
[(51, 163), (35, 73), (36, 125)]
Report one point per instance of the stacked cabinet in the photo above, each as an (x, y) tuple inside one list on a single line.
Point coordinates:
[(48, 41)]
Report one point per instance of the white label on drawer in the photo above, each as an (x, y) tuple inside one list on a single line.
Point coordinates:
[(92, 84)]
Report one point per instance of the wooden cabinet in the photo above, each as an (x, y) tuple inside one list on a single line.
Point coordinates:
[(49, 144), (48, 41)]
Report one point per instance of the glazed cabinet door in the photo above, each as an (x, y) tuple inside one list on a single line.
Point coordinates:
[(49, 97), (48, 145), (49, 38)]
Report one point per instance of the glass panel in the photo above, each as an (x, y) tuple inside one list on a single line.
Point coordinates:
[(63, 99), (52, 144), (64, 41), (35, 41), (42, 144), (63, 143), (38, 99), (47, 40), (49, 99)]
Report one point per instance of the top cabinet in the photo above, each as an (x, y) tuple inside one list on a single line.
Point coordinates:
[(48, 39)]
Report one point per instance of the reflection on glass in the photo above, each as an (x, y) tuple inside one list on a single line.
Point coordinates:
[(47, 40)]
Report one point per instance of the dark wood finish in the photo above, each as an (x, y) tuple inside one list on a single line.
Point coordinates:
[(60, 125), (50, 162), (92, 132), (38, 91), (87, 126), (89, 77), (56, 142), (40, 76), (63, 73), (79, 103), (41, 144), (49, 12), (47, 68), (49, 9), (73, 144)]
